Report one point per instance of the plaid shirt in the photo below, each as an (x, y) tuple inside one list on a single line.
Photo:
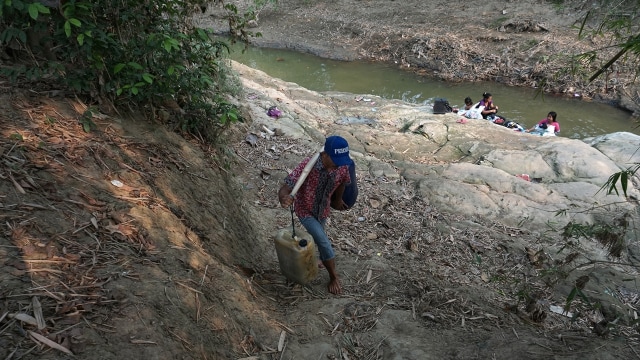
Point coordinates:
[(314, 197)]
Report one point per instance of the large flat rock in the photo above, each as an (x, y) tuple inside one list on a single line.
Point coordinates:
[(464, 168)]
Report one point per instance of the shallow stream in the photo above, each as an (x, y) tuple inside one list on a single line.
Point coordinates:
[(579, 118)]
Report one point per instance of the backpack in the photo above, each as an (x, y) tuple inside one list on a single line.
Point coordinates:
[(350, 191), (441, 106)]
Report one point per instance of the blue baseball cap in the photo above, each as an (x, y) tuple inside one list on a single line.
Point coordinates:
[(338, 150)]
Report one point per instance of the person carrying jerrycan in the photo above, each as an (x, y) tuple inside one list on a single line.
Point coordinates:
[(313, 201)]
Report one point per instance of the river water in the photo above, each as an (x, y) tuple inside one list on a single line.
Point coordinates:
[(579, 119)]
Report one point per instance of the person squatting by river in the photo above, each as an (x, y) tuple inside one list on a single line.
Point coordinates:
[(486, 109), (489, 107), (329, 176), (469, 110)]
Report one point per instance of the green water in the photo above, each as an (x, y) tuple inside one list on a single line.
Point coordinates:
[(579, 119)]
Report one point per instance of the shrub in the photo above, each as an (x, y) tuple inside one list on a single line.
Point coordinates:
[(136, 53)]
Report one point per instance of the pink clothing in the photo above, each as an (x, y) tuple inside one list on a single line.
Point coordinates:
[(550, 123)]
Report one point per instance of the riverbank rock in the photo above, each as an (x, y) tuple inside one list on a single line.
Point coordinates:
[(621, 147), (473, 168)]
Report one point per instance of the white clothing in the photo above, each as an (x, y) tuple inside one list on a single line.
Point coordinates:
[(550, 130), (463, 112), (474, 113)]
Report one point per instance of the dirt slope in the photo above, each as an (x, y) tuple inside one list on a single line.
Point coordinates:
[(129, 241), (147, 268)]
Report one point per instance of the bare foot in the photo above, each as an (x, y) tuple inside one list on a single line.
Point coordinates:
[(334, 286), (334, 283)]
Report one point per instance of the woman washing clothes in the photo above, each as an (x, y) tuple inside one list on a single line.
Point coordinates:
[(545, 125), (490, 109)]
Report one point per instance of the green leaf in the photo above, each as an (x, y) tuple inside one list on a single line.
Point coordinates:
[(207, 80), (583, 296), (75, 22), (171, 70), (19, 5), (561, 212), (570, 298), (22, 36), (134, 90), (118, 68), (202, 34), (170, 44), (231, 8), (147, 77), (623, 182), (135, 65), (119, 92), (80, 39), (67, 28), (33, 11), (42, 9), (611, 184), (87, 123), (584, 21)]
